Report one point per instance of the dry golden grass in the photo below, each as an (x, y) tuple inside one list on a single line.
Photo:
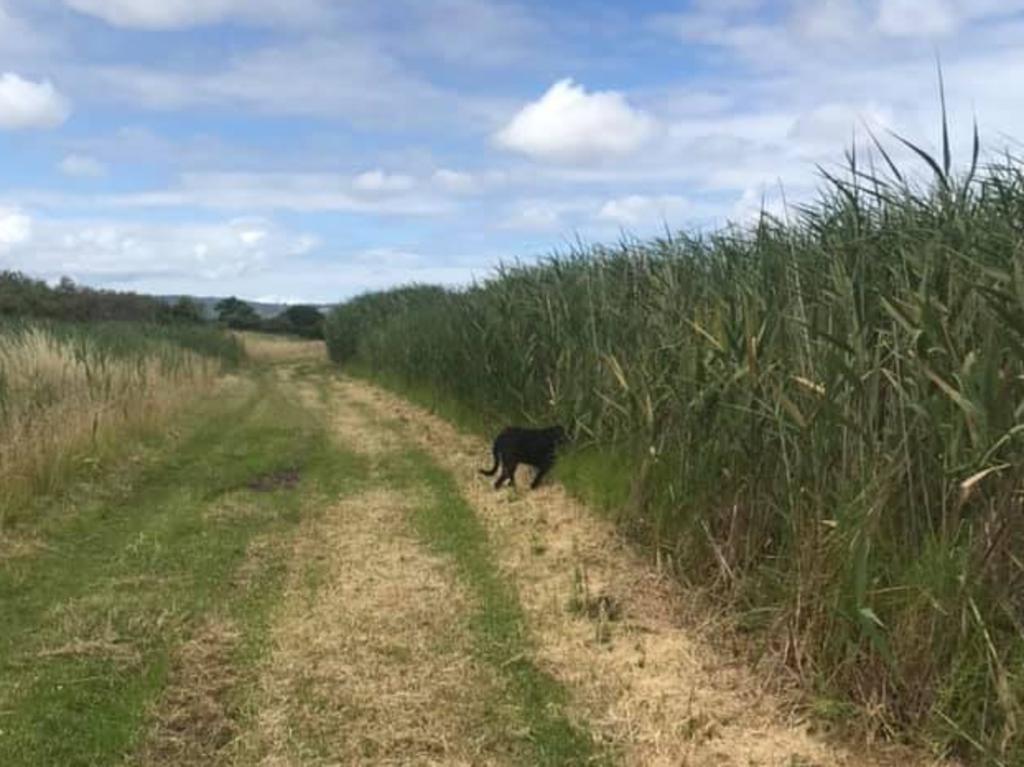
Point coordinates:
[(657, 682), (264, 347), (370, 662), (63, 404)]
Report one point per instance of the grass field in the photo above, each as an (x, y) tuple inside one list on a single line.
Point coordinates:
[(819, 419)]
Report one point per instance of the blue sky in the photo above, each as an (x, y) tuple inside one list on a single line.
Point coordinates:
[(313, 149)]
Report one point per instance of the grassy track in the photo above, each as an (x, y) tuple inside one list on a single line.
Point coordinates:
[(447, 524), (118, 573), (138, 604)]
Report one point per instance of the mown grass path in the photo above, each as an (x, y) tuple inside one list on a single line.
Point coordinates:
[(133, 602), (399, 642), (279, 582), (310, 572), (655, 684)]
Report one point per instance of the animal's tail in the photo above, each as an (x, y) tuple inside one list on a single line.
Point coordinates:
[(490, 472)]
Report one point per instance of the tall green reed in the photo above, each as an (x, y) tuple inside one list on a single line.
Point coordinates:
[(823, 418)]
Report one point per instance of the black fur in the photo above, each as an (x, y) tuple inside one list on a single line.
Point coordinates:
[(534, 447)]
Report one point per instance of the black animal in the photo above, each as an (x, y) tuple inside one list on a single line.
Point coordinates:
[(534, 447)]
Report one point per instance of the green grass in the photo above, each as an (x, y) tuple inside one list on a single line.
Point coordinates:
[(448, 525), (150, 552), (818, 419)]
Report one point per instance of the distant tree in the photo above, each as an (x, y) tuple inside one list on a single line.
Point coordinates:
[(22, 296), (186, 309), (305, 320), (236, 313)]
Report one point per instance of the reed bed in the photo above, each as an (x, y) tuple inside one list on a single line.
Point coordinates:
[(821, 419), (69, 394)]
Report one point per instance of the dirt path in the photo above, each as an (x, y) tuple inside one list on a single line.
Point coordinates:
[(370, 661), (649, 682)]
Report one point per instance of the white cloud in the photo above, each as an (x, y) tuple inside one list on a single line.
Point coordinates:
[(98, 250), (242, 192), (640, 210), (568, 124), (379, 181), (252, 237), (756, 200), (831, 126), (218, 258), (25, 104), (534, 216), (154, 14), (82, 166), (389, 258), (181, 14), (15, 229), (455, 181), (917, 18), (552, 214)]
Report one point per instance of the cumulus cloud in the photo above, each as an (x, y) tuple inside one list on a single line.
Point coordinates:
[(15, 229), (551, 214), (533, 216), (758, 200), (568, 124), (379, 181), (263, 192), (26, 104), (82, 166), (455, 181), (154, 14), (638, 210), (831, 125), (251, 257), (181, 14), (97, 250), (389, 258)]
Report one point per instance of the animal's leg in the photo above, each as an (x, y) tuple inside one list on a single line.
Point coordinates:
[(541, 471), (510, 472), (502, 478)]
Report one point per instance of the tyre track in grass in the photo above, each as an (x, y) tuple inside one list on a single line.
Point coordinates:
[(374, 656), (651, 683)]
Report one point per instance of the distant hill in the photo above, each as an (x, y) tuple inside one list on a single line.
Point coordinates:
[(264, 310)]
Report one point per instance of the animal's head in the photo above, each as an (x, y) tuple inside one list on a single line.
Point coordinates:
[(560, 434)]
